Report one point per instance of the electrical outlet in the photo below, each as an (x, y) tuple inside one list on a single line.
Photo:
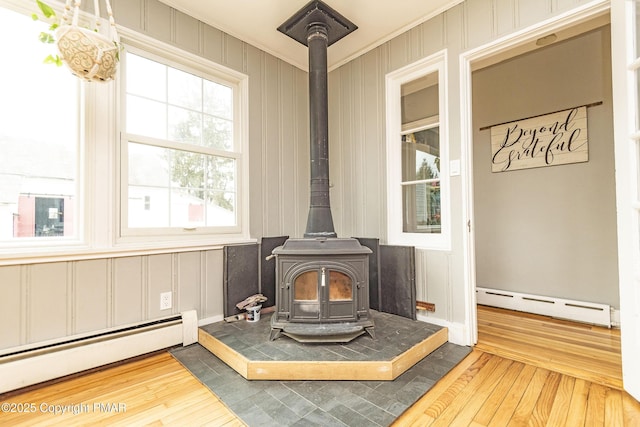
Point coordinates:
[(165, 301)]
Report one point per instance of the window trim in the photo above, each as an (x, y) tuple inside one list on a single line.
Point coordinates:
[(393, 83), (171, 56)]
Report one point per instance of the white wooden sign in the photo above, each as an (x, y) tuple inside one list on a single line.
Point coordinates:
[(553, 139)]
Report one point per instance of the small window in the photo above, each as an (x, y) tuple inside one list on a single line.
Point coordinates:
[(417, 159)]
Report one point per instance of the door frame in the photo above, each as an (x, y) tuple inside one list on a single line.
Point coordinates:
[(467, 59), (625, 59)]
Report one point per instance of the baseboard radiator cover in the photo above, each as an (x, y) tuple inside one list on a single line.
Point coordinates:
[(579, 311), (27, 366)]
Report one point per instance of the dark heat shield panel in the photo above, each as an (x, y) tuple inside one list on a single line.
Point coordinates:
[(268, 268), (374, 277), (240, 275), (398, 280)]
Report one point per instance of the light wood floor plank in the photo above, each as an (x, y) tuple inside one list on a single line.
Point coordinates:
[(525, 407), (630, 409), (491, 405), (595, 405), (578, 405), (411, 415), (542, 409), (490, 372), (505, 411), (466, 414), (445, 399), (156, 390), (613, 409)]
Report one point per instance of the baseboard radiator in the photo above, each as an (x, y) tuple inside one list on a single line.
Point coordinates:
[(579, 311), (25, 366)]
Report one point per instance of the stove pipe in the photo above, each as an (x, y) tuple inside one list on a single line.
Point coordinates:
[(320, 220), (318, 26)]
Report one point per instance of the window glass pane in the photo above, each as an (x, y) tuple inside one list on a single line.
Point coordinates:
[(39, 145), (421, 208), (173, 188), (149, 186), (305, 287), (185, 90), (420, 99), (218, 100), (185, 125), (340, 288), (146, 78), (146, 117), (421, 155), (218, 133)]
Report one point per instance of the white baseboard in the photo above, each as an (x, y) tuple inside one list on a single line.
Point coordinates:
[(210, 320), (580, 311), (456, 331)]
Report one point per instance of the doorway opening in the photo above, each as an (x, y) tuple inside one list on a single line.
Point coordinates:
[(542, 230)]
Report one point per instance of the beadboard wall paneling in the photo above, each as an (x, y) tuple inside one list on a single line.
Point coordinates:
[(160, 279), (12, 314), (211, 290), (91, 302), (47, 302), (53, 300), (127, 285), (189, 273), (530, 12)]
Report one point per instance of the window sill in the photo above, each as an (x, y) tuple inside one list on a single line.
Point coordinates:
[(20, 256)]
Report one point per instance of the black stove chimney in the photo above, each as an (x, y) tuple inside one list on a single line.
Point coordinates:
[(317, 26)]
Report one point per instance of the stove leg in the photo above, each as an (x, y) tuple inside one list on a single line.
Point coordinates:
[(370, 330), (275, 334)]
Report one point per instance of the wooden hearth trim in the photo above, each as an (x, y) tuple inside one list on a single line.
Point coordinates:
[(383, 370)]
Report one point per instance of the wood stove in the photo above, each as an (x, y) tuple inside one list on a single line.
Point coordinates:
[(322, 290), (322, 283)]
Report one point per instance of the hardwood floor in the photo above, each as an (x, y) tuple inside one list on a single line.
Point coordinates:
[(525, 370), (154, 391), (580, 350), (530, 370)]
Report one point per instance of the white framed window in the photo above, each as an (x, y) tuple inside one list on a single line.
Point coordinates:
[(41, 145), (417, 155), (183, 150)]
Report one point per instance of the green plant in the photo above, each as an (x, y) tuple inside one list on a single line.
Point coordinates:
[(48, 36)]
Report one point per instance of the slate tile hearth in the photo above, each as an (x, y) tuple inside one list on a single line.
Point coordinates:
[(394, 335), (318, 403)]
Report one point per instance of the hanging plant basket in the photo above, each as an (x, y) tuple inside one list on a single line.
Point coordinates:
[(89, 55)]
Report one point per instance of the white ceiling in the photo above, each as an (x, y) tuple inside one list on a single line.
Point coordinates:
[(255, 22)]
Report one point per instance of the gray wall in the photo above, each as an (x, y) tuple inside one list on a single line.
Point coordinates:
[(357, 131), (548, 231)]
